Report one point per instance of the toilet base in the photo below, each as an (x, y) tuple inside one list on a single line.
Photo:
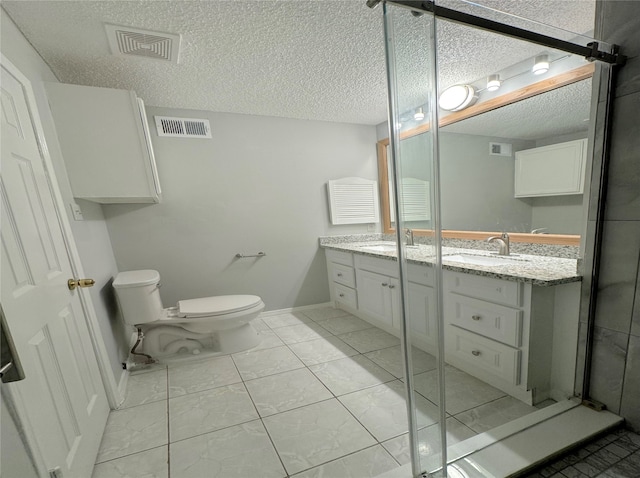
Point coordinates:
[(163, 341)]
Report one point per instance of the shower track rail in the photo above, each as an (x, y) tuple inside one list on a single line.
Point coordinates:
[(591, 51)]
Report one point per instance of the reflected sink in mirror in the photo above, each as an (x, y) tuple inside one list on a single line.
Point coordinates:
[(481, 260)]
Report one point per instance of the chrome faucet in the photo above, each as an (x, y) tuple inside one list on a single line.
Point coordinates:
[(503, 241), (408, 236)]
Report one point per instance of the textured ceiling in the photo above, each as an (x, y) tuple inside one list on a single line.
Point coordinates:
[(526, 119), (306, 59)]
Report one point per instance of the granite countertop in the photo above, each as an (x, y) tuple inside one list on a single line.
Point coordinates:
[(537, 270)]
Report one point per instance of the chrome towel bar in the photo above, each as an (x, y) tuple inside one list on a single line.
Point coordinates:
[(242, 256)]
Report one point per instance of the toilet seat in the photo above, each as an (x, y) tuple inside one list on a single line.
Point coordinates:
[(216, 305)]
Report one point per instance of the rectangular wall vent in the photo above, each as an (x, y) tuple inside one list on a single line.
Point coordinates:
[(500, 149), (183, 127)]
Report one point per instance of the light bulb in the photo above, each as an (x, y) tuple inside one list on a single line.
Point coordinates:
[(457, 98), (540, 64), (493, 82)]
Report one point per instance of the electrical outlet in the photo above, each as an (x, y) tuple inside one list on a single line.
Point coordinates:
[(76, 211)]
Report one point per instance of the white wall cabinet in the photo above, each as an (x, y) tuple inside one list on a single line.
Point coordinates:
[(105, 143), (553, 170)]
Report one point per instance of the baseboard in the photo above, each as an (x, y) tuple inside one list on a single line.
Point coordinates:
[(270, 313), (122, 386)]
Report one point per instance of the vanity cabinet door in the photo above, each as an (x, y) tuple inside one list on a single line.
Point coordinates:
[(342, 279), (377, 296), (421, 312)]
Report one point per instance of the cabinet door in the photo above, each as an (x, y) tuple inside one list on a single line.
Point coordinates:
[(374, 296), (421, 312), (552, 170), (102, 137)]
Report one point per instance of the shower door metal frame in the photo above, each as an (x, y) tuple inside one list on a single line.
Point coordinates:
[(590, 52), (405, 342)]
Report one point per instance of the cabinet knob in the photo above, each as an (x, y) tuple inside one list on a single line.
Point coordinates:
[(339, 274), (476, 317), (341, 295), (391, 286), (384, 284), (475, 352)]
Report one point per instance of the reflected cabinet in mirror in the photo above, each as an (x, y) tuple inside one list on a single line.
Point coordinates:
[(514, 164)]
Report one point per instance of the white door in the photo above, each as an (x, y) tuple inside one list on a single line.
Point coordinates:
[(61, 402)]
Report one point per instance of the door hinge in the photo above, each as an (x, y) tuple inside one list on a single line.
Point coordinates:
[(594, 404), (55, 472)]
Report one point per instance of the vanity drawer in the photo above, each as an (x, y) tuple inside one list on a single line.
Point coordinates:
[(345, 295), (373, 264), (339, 257), (343, 274), (486, 288), (494, 321), (421, 274), (476, 353)]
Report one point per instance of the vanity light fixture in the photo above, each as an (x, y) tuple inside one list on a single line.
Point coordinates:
[(540, 64), (419, 114), (493, 82), (457, 97)]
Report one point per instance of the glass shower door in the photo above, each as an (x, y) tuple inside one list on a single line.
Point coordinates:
[(413, 191), (452, 179)]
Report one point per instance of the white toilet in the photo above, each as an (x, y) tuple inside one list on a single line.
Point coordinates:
[(219, 324)]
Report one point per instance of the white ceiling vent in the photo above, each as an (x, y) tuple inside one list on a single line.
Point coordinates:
[(149, 44), (183, 127)]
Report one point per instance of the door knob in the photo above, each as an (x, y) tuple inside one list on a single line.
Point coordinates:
[(73, 283)]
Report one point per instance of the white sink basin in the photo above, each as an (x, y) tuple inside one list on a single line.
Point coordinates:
[(480, 260), (380, 247)]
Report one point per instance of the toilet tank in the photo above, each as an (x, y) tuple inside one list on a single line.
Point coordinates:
[(139, 296)]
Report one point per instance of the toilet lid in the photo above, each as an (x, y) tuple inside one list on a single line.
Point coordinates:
[(218, 305)]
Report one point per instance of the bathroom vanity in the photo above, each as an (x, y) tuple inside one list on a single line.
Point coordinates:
[(511, 322)]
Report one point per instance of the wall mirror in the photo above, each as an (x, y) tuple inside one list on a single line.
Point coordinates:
[(478, 194)]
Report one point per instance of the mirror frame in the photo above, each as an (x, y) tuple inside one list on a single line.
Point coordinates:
[(581, 73)]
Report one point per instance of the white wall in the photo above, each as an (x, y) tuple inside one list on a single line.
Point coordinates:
[(558, 214), (91, 236), (478, 188), (258, 185)]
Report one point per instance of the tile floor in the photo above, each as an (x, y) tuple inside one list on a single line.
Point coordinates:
[(321, 396), (614, 455)]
